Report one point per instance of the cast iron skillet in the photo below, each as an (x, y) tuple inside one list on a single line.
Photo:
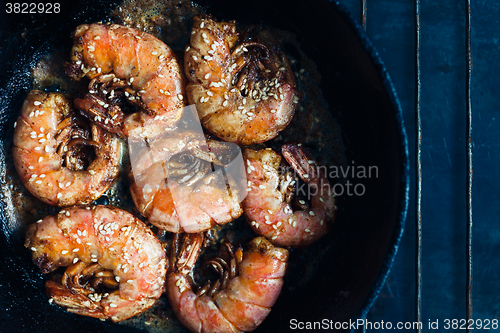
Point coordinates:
[(361, 247)]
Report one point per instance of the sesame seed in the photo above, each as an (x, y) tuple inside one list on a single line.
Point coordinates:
[(262, 187), (307, 230), (180, 97), (306, 175), (33, 249), (311, 213), (112, 305), (37, 102), (274, 237), (93, 260), (117, 278), (224, 103), (302, 202), (64, 251)]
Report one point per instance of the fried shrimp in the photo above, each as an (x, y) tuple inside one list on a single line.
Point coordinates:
[(180, 183), (60, 158), (116, 267), (268, 205), (127, 65), (240, 300), (244, 90)]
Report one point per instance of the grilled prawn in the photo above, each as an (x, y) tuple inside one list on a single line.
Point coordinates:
[(115, 265), (268, 204), (240, 300), (59, 158), (244, 90), (175, 186), (127, 65)]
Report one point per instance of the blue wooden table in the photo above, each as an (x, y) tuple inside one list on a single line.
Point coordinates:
[(390, 25)]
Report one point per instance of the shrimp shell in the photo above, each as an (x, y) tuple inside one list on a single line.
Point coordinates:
[(147, 64), (39, 164), (261, 102), (243, 303), (117, 242), (267, 206), (176, 206)]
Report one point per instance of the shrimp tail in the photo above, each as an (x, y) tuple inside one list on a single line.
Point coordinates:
[(74, 303)]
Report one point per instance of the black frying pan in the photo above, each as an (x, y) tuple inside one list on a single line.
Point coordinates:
[(354, 259)]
